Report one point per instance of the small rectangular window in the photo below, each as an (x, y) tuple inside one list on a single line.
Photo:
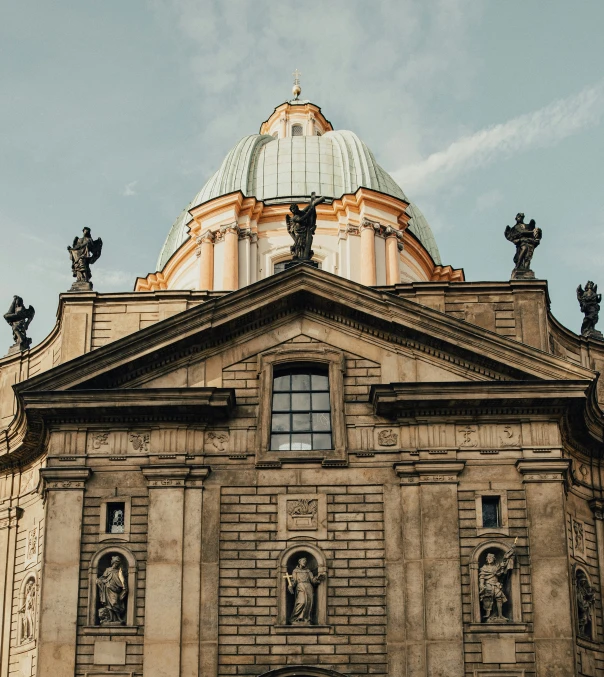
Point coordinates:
[(116, 513), (491, 511)]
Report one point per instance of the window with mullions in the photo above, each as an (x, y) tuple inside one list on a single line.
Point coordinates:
[(301, 411)]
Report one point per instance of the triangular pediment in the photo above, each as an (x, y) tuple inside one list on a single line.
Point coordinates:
[(294, 303)]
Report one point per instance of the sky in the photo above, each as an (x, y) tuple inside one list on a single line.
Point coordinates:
[(113, 115)]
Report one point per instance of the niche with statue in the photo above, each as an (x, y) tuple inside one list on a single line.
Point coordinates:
[(302, 590), (112, 587)]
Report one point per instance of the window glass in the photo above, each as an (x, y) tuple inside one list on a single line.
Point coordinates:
[(115, 518), (301, 415), (296, 130), (491, 511)]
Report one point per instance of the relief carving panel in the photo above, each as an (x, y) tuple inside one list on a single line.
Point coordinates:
[(302, 515)]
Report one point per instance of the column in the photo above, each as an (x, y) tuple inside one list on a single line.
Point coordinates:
[(231, 257), (9, 517), (64, 489), (393, 271), (544, 486), (368, 275), (432, 568), (206, 260), (164, 590), (191, 572)]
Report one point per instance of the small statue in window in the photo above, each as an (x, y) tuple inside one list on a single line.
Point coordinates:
[(526, 237), (586, 599), (589, 301), (301, 583), (19, 317), (28, 612), (301, 225), (83, 253), (113, 590), (491, 579)]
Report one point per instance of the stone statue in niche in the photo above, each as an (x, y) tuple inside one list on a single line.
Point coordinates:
[(387, 438), (589, 301), (301, 226), (301, 583), (526, 237), (83, 252), (586, 600), (27, 612), (113, 590), (19, 317), (579, 538), (491, 580)]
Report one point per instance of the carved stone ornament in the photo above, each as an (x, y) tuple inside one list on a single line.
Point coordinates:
[(31, 547), (139, 441), (302, 514), (217, 440), (527, 238), (387, 438), (112, 591), (83, 252), (301, 225), (589, 301), (491, 580), (99, 440), (468, 436), (586, 602)]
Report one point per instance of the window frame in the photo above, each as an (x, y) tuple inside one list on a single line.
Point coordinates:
[(306, 357), (105, 502), (503, 529), (297, 125)]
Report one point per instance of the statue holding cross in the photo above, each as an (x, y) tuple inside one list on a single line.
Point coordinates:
[(302, 583)]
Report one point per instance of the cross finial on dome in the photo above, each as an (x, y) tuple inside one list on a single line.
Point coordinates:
[(296, 89)]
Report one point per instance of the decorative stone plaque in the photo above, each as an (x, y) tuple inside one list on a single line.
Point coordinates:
[(302, 515)]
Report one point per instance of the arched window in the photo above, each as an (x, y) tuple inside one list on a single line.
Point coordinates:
[(301, 411), (297, 130)]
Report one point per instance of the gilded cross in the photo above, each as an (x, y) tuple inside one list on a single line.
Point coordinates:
[(290, 580), (296, 75)]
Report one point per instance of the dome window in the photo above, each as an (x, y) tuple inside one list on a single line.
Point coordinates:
[(275, 135), (318, 133), (297, 130)]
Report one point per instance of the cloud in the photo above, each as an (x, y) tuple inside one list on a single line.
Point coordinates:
[(129, 189), (544, 127), (488, 200), (112, 278)]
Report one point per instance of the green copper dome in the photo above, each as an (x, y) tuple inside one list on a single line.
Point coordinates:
[(267, 168)]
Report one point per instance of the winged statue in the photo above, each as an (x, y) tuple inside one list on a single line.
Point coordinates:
[(589, 302), (19, 317), (526, 237), (301, 225), (83, 253)]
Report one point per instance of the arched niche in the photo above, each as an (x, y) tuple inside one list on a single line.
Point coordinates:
[(99, 565), (289, 560), (585, 603), (27, 611), (489, 566), (302, 671)]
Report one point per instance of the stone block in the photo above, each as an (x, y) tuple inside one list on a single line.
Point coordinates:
[(499, 650), (109, 653)]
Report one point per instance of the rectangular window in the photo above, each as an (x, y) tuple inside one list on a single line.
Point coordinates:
[(116, 513), (491, 511), (301, 411)]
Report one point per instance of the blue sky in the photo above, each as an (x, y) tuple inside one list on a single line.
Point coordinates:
[(113, 114)]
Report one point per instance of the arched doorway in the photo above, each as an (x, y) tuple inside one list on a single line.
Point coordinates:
[(301, 671)]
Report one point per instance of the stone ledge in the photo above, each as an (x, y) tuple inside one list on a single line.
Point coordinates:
[(303, 629), (498, 628), (111, 629)]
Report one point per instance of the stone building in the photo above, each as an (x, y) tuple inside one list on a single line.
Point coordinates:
[(373, 467)]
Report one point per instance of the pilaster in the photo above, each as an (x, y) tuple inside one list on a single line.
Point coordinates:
[(9, 518), (205, 251), (553, 632), (165, 556), (432, 568), (64, 492), (231, 257), (368, 269)]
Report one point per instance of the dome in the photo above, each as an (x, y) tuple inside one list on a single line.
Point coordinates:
[(269, 168)]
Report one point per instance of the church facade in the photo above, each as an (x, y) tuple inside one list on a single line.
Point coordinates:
[(366, 466)]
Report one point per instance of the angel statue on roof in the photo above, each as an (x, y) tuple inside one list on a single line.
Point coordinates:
[(83, 253), (527, 238), (301, 225), (589, 301)]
